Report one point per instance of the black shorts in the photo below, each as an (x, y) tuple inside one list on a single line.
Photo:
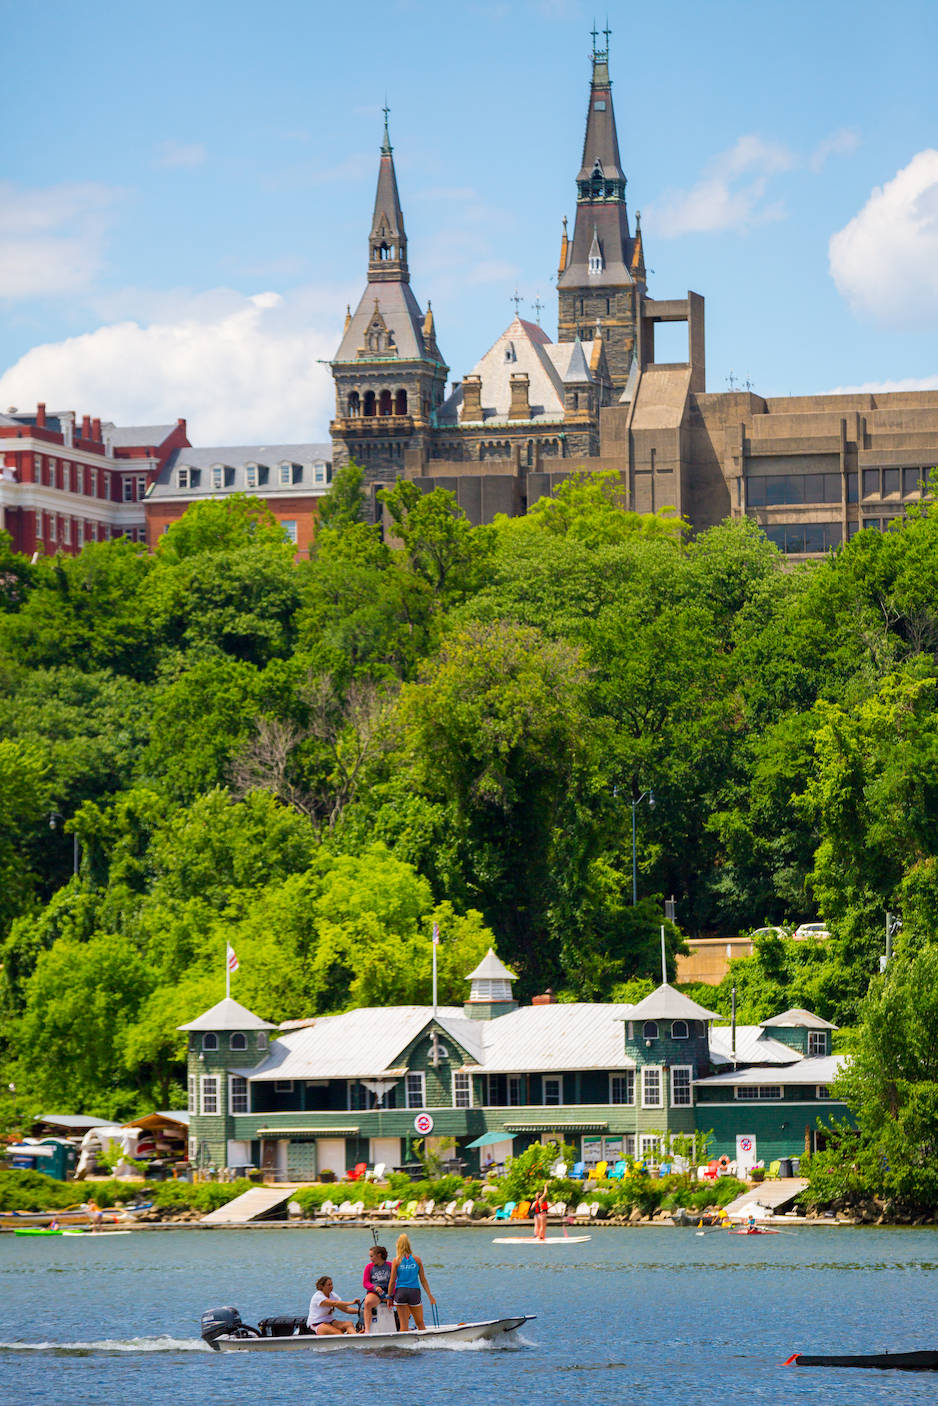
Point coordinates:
[(407, 1295)]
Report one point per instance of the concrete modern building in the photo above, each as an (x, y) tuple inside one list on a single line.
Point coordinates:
[(614, 1080), (811, 470)]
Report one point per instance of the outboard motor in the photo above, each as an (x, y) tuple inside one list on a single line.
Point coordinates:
[(222, 1323)]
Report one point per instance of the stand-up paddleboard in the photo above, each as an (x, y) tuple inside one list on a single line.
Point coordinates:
[(530, 1240), (96, 1234)]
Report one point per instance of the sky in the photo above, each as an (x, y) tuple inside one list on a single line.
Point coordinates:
[(186, 190)]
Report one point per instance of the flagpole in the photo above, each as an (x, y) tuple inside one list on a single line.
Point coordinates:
[(227, 975), (436, 943)]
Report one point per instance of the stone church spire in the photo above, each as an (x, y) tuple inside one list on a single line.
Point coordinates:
[(601, 276), (387, 243)]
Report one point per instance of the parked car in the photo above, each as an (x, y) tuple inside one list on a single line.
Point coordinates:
[(811, 930), (770, 932)]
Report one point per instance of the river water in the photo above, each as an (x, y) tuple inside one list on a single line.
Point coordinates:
[(649, 1315)]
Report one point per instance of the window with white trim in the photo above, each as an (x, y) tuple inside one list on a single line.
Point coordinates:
[(649, 1145), (262, 1040), (128, 489), (182, 478), (553, 1092), (141, 487), (106, 478), (193, 1094), (679, 1030), (218, 475), (250, 476), (289, 528), (80, 532), (651, 1086), (286, 474), (622, 1087), (817, 1044), (757, 1091), (210, 1094), (93, 483), (320, 473), (237, 1094), (462, 1090), (210, 1040), (681, 1087), (238, 1041), (822, 1091), (53, 527), (414, 1084), (193, 1148), (67, 531), (650, 1030)]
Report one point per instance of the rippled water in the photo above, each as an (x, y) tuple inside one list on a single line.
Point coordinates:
[(646, 1315)]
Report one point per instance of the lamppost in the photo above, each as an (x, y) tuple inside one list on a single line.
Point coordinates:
[(648, 795)]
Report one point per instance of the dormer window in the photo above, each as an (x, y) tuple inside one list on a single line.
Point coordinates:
[(679, 1030), (209, 1040), (182, 478), (817, 1044)]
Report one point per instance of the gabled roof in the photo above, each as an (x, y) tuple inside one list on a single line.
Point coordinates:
[(366, 1043), (137, 436), (228, 1015), (523, 347), (753, 1046), (491, 969), (668, 1004), (578, 1035), (800, 1020), (577, 369)]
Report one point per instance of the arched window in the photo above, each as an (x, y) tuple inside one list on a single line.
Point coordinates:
[(369, 402), (384, 404), (354, 403), (400, 403), (209, 1040), (238, 1041), (679, 1030), (650, 1030)]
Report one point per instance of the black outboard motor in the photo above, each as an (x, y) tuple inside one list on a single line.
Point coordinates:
[(224, 1323)]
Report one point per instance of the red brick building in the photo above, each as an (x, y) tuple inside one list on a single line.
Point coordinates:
[(65, 482)]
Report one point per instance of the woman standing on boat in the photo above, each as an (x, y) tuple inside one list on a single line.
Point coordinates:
[(407, 1275), (539, 1211)]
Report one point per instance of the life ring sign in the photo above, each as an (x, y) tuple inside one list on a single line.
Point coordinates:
[(745, 1144), (423, 1124)]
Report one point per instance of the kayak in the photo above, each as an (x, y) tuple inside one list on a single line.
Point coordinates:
[(86, 1232), (530, 1240), (756, 1230), (223, 1330), (885, 1361)]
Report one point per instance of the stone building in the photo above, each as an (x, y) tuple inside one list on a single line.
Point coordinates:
[(811, 470)]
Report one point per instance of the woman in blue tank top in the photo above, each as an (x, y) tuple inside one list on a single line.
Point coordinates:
[(406, 1276)]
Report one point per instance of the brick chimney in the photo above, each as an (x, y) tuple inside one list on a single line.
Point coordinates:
[(96, 430), (41, 415), (86, 426), (520, 408), (548, 998), (472, 398)]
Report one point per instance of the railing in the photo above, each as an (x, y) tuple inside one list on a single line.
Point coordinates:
[(371, 424)]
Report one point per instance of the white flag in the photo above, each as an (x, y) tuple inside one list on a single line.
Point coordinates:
[(232, 959)]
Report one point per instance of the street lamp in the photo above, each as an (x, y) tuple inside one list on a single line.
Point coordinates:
[(648, 795)]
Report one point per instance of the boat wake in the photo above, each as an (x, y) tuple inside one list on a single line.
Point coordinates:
[(80, 1349)]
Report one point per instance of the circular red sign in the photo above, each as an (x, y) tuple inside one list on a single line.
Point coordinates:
[(423, 1123)]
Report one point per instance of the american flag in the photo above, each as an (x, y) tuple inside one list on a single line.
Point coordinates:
[(436, 934), (232, 959)]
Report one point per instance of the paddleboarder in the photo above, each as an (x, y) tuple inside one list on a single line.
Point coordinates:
[(539, 1210)]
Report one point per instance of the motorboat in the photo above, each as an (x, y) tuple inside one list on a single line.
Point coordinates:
[(224, 1331), (924, 1361)]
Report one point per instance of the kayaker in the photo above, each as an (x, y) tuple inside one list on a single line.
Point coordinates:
[(375, 1281), (407, 1274), (322, 1306)]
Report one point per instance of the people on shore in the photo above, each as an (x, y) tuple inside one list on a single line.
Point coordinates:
[(407, 1274), (539, 1211), (321, 1318), (375, 1282)]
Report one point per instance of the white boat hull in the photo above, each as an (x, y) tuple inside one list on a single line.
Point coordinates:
[(446, 1335)]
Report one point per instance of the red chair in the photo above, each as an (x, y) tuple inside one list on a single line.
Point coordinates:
[(357, 1172)]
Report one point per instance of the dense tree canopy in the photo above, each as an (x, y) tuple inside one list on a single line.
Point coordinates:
[(316, 760)]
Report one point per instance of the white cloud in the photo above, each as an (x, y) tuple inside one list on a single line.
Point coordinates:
[(885, 261), (240, 370), (51, 241), (729, 195), (180, 154), (840, 143), (912, 383)]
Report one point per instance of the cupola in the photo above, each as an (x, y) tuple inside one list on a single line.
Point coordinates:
[(490, 994)]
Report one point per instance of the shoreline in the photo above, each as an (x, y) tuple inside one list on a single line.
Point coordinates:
[(610, 1223)]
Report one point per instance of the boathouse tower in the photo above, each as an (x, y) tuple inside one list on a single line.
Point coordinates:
[(668, 1037), (226, 1044)]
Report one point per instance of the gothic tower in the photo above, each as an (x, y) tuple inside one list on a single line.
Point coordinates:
[(389, 374), (601, 278)]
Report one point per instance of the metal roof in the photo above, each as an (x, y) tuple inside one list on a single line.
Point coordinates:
[(800, 1019), (522, 347), (491, 969), (804, 1071), (556, 1037), (77, 1121), (667, 1004), (137, 436), (753, 1046), (359, 1044), (228, 1015)]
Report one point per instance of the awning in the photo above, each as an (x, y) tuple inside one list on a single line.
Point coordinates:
[(307, 1132), (545, 1127), (487, 1139)]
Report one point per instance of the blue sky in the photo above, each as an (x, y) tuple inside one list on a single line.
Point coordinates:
[(186, 190)]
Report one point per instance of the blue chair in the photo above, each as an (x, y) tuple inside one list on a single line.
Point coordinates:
[(617, 1172), (504, 1212), (579, 1171)]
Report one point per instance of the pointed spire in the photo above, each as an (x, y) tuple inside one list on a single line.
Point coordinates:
[(564, 249), (595, 254), (387, 244), (638, 252), (348, 315)]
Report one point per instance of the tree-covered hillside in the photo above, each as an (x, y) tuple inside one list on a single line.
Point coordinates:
[(316, 761)]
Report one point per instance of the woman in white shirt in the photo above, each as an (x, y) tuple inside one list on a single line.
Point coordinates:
[(322, 1306)]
